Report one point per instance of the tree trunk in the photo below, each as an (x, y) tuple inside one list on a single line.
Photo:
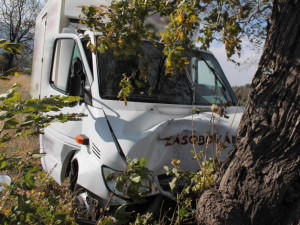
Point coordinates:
[(10, 62), (259, 183)]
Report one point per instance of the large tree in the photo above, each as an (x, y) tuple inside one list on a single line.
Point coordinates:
[(260, 181), (17, 23)]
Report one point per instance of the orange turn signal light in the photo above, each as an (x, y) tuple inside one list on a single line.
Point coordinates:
[(82, 139)]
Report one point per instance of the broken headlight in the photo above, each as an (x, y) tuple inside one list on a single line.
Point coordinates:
[(115, 180)]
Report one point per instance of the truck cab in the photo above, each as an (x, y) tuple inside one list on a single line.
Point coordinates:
[(160, 126)]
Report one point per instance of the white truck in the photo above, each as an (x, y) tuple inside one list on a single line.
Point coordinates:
[(159, 127)]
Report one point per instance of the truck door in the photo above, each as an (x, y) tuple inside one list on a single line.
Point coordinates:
[(70, 74)]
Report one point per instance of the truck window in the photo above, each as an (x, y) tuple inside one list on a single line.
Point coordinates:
[(66, 50), (202, 83)]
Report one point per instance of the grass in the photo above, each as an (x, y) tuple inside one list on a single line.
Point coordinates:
[(53, 202)]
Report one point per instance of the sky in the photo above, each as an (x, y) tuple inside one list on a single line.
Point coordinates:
[(238, 75)]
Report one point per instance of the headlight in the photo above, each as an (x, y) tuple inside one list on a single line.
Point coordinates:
[(110, 176)]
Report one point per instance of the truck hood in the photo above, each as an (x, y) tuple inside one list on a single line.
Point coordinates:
[(163, 134)]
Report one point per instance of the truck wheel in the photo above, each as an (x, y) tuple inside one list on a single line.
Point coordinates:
[(87, 207)]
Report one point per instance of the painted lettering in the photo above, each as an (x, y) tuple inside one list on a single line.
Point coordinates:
[(201, 140), (185, 141), (176, 140), (227, 139), (168, 143)]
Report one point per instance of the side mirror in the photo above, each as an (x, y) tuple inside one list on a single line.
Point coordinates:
[(76, 66), (77, 78)]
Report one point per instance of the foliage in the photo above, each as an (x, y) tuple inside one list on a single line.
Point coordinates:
[(10, 47), (34, 113), (132, 179), (124, 25), (26, 200)]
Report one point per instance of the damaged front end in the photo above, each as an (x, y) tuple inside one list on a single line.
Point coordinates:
[(164, 142), (169, 153)]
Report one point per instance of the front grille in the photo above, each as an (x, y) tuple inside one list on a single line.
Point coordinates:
[(96, 151)]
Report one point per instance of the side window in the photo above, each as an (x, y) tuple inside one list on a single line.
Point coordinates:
[(62, 77)]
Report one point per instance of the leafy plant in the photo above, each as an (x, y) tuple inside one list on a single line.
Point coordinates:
[(28, 200), (34, 110), (132, 179), (10, 47)]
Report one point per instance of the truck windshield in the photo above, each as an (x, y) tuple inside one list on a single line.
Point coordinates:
[(201, 83)]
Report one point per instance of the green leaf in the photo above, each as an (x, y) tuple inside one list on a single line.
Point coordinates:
[(35, 104), (173, 183), (5, 138), (3, 165), (29, 180), (143, 162), (16, 97), (135, 178), (120, 183), (10, 124), (121, 215), (166, 168), (73, 99)]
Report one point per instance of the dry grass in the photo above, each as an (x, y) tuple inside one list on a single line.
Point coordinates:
[(24, 81), (25, 145), (23, 148)]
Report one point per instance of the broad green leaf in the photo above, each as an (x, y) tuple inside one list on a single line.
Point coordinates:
[(29, 180), (172, 184), (73, 99), (121, 215), (166, 168), (135, 178), (3, 165), (10, 124), (14, 98), (143, 162)]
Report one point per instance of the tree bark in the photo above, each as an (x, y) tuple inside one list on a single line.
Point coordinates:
[(259, 183)]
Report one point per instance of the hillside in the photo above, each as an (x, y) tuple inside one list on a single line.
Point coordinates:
[(241, 93)]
